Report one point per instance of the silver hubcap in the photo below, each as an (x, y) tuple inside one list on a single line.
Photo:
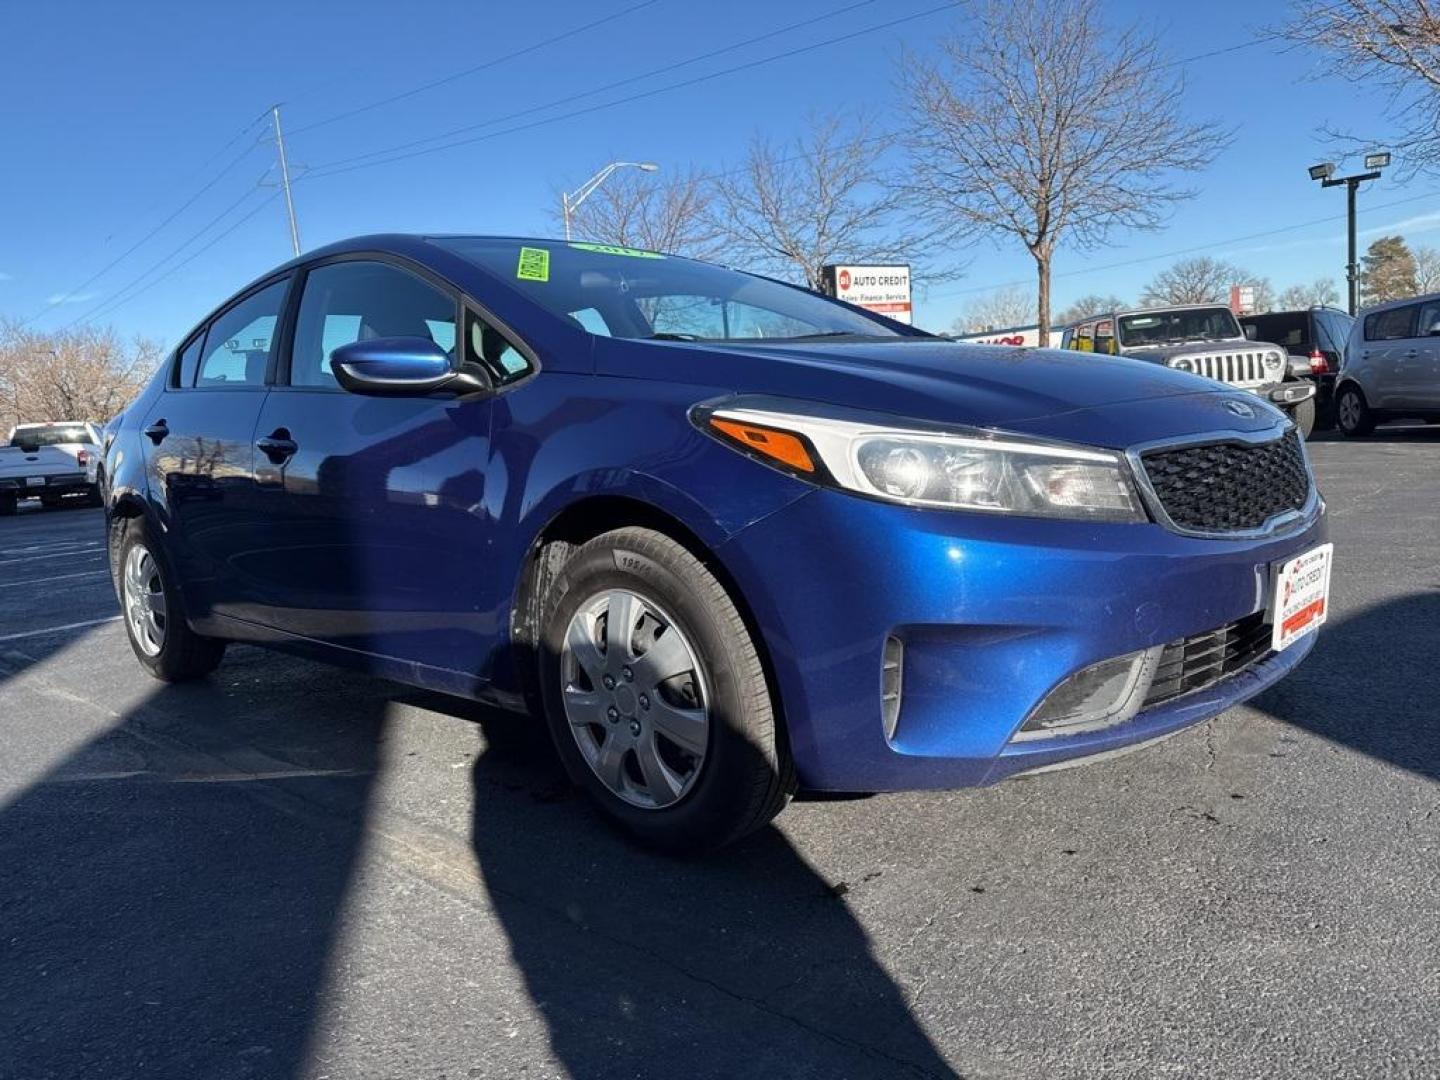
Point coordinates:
[(635, 698), (1349, 410), (145, 605)]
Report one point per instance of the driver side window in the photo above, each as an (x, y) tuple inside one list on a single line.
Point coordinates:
[(358, 300)]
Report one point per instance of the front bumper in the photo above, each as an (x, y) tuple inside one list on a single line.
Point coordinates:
[(993, 613)]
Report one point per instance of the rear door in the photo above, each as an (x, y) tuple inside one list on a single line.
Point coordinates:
[(198, 441)]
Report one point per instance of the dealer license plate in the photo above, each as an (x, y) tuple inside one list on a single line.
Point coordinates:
[(35, 481), (1301, 599)]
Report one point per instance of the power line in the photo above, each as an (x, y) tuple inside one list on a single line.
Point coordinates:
[(166, 221), (1328, 219), (199, 251), (664, 70), (345, 115), (334, 168), (119, 298)]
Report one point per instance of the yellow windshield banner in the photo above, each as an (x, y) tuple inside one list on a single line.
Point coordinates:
[(611, 249), (534, 264)]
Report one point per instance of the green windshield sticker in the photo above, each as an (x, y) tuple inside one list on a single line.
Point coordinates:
[(610, 249), (534, 264)]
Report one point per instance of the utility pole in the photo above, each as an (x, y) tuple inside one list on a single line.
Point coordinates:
[(285, 180)]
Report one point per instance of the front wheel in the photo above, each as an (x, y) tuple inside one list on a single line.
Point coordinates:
[(656, 696), (153, 610), (1352, 413)]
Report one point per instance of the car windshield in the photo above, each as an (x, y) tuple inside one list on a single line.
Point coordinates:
[(628, 293), (1176, 327), (52, 435)]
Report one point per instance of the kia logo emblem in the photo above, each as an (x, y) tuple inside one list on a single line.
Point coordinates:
[(1240, 408)]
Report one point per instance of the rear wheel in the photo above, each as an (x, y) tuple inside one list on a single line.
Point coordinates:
[(153, 610), (8, 503), (1352, 412), (656, 696)]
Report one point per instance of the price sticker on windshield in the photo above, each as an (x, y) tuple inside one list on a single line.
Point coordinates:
[(1301, 600)]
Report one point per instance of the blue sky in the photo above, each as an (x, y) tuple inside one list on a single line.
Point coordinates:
[(117, 114)]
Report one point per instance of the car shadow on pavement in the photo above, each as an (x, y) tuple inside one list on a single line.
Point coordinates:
[(170, 892), (1393, 718), (743, 962)]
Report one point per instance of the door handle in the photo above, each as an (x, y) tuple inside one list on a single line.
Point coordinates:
[(157, 431), (278, 447)]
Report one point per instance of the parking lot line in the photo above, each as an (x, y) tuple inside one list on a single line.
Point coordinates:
[(98, 549), (57, 577), (58, 629)]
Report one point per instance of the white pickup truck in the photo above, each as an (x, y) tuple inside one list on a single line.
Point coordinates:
[(49, 462)]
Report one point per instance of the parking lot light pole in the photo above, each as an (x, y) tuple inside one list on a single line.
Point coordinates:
[(1325, 173), (570, 201)]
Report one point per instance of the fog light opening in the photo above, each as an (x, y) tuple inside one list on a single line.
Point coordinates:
[(1099, 696), (892, 670)]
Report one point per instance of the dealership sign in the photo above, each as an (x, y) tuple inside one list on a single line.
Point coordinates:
[(882, 289)]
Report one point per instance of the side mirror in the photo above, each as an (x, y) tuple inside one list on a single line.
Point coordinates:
[(1250, 333), (397, 367), (1434, 330)]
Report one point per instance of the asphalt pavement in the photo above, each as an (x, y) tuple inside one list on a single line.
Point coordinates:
[(289, 870)]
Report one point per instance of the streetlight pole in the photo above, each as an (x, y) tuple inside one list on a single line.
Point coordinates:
[(285, 180), (570, 200), (1325, 173)]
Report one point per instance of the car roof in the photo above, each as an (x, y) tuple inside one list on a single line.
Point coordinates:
[(1168, 307), (1423, 298)]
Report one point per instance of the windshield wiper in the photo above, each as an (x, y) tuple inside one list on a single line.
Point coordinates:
[(665, 336)]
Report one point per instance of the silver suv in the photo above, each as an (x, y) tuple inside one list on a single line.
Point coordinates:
[(1205, 339), (1392, 366)]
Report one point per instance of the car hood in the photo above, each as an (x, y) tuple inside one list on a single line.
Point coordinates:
[(1104, 400)]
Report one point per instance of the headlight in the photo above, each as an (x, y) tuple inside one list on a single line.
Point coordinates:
[(1182, 364), (1274, 361), (953, 470)]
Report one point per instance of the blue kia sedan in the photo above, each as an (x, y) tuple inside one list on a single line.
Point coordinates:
[(724, 536)]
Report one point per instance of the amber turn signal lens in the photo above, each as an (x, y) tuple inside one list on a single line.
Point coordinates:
[(779, 445)]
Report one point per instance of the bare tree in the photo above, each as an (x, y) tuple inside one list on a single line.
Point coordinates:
[(998, 310), (1090, 304), (641, 210), (1198, 280), (1427, 269), (1319, 293), (1392, 46), (84, 374), (1059, 130), (792, 209)]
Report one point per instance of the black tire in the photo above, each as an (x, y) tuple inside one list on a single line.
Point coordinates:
[(51, 502), (746, 775), (1352, 412), (95, 496), (9, 505), (182, 655), (1304, 416)]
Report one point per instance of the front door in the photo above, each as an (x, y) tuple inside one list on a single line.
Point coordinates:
[(198, 441), (379, 521)]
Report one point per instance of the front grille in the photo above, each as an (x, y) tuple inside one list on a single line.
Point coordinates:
[(1229, 487), (1202, 660), (1237, 368)]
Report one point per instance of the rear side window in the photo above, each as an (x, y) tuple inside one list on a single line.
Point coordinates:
[(1429, 321), (1392, 325), (237, 346), (1334, 330), (190, 361), (358, 300)]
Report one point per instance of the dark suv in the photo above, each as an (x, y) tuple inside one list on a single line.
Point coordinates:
[(1315, 340)]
